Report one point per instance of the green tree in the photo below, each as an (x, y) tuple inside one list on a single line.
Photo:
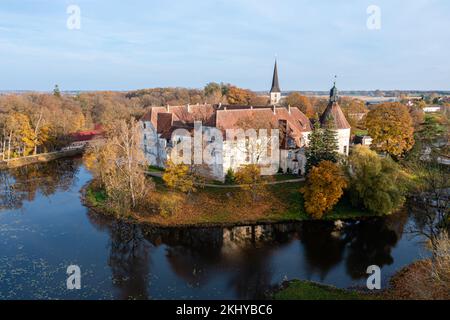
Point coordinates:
[(376, 183), (230, 177), (322, 145), (330, 145)]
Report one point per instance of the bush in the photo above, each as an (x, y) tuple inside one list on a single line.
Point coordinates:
[(170, 204), (249, 178), (429, 279), (230, 177)]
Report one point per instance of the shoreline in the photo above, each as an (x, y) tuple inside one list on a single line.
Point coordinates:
[(134, 218), (38, 158)]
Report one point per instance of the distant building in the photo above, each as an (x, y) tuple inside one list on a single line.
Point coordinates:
[(82, 138), (431, 109), (364, 140)]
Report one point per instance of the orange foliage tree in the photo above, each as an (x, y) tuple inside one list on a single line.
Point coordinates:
[(324, 187), (239, 96), (297, 100), (391, 128)]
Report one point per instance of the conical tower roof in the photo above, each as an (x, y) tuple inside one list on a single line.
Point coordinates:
[(333, 116)]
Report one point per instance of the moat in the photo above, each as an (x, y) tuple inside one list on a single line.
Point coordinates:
[(44, 228)]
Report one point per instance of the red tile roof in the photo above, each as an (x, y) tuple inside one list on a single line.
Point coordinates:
[(228, 117)]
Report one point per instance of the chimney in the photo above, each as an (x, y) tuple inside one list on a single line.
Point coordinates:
[(167, 108), (251, 107), (224, 108), (289, 109), (274, 110), (189, 108)]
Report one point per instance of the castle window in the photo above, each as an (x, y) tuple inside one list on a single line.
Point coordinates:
[(345, 149)]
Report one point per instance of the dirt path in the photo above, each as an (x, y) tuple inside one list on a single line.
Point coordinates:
[(210, 185)]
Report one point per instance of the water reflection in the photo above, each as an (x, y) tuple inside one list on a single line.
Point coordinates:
[(127, 261), (22, 184), (246, 254)]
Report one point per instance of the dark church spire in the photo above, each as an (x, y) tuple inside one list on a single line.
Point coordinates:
[(275, 84)]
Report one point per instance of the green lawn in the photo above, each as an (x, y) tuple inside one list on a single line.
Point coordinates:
[(305, 290), (360, 132), (96, 197), (155, 169), (218, 206)]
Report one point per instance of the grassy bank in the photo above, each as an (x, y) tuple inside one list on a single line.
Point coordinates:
[(306, 290), (224, 206), (39, 158)]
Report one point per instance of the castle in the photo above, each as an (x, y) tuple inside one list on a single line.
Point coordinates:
[(162, 126)]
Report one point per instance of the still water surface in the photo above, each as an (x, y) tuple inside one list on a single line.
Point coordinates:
[(44, 228)]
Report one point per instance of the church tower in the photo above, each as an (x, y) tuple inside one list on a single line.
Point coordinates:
[(333, 118), (275, 92)]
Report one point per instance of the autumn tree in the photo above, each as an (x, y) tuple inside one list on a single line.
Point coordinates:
[(19, 135), (239, 96), (118, 164), (390, 126), (322, 145), (324, 187), (214, 92), (376, 183), (250, 180), (355, 111), (301, 102), (179, 177)]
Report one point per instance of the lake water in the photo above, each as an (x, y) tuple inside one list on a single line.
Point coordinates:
[(44, 228)]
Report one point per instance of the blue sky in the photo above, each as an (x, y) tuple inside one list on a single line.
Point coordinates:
[(141, 44)]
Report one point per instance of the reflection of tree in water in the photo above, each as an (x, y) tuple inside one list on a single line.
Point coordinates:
[(191, 253), (129, 260), (22, 184), (9, 198), (361, 244), (129, 256), (371, 243), (323, 249), (243, 254)]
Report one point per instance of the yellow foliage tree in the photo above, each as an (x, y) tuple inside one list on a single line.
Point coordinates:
[(179, 177), (390, 125), (118, 164), (24, 132), (249, 179), (324, 187)]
